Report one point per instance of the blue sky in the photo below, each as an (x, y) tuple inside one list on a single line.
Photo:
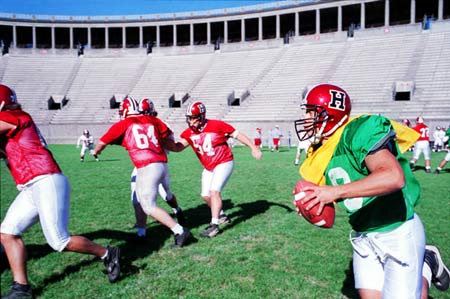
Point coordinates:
[(116, 7)]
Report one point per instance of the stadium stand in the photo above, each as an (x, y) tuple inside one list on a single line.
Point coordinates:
[(367, 65)]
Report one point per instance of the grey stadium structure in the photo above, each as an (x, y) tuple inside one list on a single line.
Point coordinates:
[(250, 65)]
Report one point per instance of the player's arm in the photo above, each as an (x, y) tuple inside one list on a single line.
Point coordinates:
[(242, 138), (171, 145), (386, 176), (99, 147), (5, 127)]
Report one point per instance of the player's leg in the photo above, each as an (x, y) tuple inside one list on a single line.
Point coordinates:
[(427, 156), (91, 151), (170, 198), (82, 153), (442, 163), (52, 196), (403, 250), (20, 216), (220, 177), (147, 181), (141, 217)]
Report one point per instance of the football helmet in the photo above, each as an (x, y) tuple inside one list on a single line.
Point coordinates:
[(419, 120), (196, 110), (7, 96), (406, 122), (327, 107), (128, 107), (86, 132), (147, 107)]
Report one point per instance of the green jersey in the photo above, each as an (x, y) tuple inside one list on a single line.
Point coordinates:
[(361, 137)]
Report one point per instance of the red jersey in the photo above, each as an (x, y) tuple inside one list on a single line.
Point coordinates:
[(424, 132), (210, 145), (25, 148), (141, 136)]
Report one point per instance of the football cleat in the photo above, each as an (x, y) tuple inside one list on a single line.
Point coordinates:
[(427, 170), (182, 239), (440, 273), (437, 171), (224, 219), (112, 263), (211, 231), (19, 291)]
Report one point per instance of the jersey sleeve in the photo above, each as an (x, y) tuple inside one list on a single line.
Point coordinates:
[(226, 128), (366, 135), (163, 129), (115, 134)]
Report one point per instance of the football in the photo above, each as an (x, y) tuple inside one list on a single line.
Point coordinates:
[(325, 219)]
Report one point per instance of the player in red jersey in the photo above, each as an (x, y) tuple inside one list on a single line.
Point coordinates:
[(143, 136), (422, 145), (44, 197), (208, 138)]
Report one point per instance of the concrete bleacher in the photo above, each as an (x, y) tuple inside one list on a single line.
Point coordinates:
[(367, 66), (35, 79)]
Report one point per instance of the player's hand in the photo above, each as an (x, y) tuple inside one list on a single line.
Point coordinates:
[(256, 153)]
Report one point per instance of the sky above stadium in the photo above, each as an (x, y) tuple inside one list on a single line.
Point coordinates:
[(117, 7)]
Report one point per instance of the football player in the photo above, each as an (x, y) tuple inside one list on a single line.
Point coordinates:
[(257, 138), (147, 107), (43, 197), (208, 138), (422, 146), (301, 147), (358, 164), (87, 144), (276, 136), (143, 136)]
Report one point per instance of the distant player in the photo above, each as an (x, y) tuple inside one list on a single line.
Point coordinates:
[(301, 147), (257, 138), (208, 139), (276, 136), (422, 145), (87, 144), (143, 136)]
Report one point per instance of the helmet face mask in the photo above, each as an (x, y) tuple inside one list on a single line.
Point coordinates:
[(196, 116), (327, 107), (7, 96)]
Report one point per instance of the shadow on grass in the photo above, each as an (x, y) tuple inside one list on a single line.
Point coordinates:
[(133, 249)]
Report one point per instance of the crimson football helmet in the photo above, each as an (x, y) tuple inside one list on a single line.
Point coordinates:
[(327, 108), (146, 106), (196, 110), (128, 107), (7, 96)]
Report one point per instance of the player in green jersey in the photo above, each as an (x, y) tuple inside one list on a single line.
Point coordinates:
[(358, 164)]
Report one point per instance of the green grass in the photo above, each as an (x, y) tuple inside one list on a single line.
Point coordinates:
[(267, 252)]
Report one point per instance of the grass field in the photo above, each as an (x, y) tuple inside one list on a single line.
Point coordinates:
[(267, 252)]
